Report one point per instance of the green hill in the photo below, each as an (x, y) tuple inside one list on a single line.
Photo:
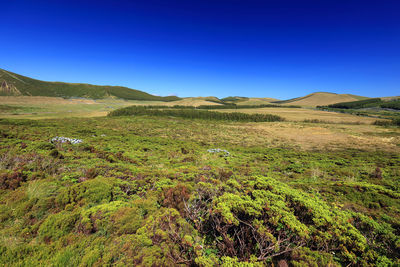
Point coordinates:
[(15, 84)]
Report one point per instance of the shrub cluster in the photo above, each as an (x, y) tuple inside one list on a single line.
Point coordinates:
[(234, 106), (224, 106), (393, 122), (195, 114)]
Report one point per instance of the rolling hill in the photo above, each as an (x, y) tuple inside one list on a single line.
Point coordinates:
[(240, 100), (320, 99), (257, 101), (15, 85), (196, 101), (12, 84)]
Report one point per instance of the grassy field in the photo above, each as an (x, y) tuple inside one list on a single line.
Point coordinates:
[(53, 107), (156, 191), (301, 114), (39, 107)]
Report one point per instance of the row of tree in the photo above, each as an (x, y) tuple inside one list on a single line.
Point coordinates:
[(366, 103), (194, 114)]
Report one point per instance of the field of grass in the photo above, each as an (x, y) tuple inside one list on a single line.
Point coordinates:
[(40, 107), (302, 114), (155, 190), (53, 107)]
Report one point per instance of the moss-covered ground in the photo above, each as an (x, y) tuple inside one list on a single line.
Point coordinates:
[(145, 191)]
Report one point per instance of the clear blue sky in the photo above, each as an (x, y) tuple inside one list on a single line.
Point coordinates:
[(280, 49)]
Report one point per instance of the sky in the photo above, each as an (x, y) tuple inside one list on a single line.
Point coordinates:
[(281, 49)]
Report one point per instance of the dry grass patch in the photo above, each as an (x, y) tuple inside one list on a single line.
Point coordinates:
[(327, 136)]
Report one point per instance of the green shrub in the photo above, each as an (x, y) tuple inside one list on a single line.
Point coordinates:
[(97, 190), (265, 217), (57, 225)]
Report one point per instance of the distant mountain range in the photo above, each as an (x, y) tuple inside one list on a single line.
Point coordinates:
[(15, 84), (12, 84)]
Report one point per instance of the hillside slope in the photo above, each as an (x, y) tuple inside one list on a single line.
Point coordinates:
[(321, 99), (257, 101), (240, 100), (15, 84), (196, 101)]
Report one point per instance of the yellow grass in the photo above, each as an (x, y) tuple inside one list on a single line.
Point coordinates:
[(318, 136)]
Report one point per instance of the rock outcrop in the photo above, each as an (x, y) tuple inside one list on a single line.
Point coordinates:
[(8, 89)]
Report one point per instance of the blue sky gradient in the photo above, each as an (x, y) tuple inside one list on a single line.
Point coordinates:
[(279, 49)]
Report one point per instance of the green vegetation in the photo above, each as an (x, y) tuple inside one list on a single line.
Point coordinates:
[(146, 191), (22, 85), (17, 109), (225, 106), (193, 114), (368, 103), (234, 106)]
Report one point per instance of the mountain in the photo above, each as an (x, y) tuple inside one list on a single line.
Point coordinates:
[(15, 84), (321, 99)]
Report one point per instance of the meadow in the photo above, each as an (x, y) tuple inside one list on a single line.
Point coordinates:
[(42, 107), (151, 190)]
